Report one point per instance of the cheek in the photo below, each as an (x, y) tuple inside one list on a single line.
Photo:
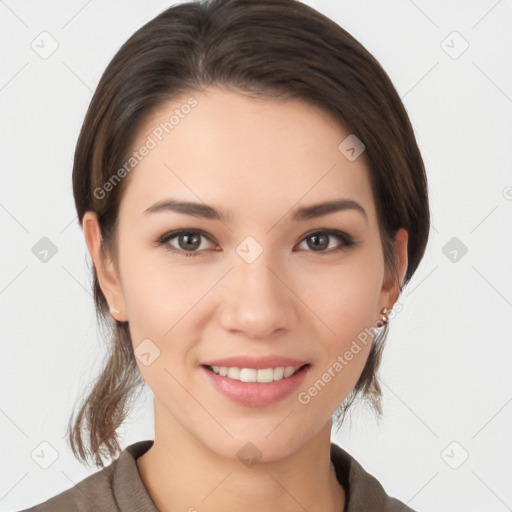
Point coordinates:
[(162, 303), (159, 295), (345, 297)]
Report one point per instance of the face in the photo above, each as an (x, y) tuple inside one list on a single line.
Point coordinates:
[(260, 281)]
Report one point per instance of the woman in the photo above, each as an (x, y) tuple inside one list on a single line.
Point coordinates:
[(254, 200)]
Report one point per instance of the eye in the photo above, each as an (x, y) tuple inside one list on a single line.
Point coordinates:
[(188, 241), (320, 240)]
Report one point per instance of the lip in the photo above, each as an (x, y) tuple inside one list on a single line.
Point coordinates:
[(256, 394), (258, 363)]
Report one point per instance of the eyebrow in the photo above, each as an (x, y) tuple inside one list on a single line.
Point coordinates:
[(208, 212)]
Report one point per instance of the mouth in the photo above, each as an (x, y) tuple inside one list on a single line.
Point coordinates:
[(260, 375), (251, 387)]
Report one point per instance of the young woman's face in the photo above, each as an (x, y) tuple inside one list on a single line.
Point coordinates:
[(260, 282)]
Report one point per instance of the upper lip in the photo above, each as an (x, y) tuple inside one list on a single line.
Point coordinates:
[(257, 363)]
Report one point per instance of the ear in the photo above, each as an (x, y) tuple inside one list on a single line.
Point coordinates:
[(108, 278), (391, 290)]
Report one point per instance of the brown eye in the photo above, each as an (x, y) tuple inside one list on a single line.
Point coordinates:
[(189, 241), (321, 241), (185, 242)]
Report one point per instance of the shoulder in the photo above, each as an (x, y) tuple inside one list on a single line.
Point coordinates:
[(103, 490), (364, 491), (92, 493)]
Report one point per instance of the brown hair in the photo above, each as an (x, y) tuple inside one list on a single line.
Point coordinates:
[(272, 48)]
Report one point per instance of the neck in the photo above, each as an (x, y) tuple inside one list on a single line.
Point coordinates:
[(180, 473)]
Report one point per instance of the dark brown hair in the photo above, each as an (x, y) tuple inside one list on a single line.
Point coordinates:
[(279, 49)]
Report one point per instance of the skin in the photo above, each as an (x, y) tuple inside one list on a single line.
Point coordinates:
[(256, 160)]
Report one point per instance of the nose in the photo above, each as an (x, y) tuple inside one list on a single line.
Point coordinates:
[(258, 302)]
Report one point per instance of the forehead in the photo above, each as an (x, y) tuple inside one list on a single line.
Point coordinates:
[(247, 157)]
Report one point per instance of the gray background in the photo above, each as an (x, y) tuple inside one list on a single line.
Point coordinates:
[(445, 436)]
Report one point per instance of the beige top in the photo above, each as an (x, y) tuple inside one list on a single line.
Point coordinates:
[(119, 488)]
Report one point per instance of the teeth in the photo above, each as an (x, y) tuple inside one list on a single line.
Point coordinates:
[(253, 375)]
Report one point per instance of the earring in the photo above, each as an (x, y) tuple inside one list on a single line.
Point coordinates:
[(113, 308), (384, 315)]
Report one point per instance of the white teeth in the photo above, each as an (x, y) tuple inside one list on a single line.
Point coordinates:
[(278, 373), (253, 375), (234, 373), (288, 371)]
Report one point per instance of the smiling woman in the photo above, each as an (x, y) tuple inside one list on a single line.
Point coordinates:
[(248, 262)]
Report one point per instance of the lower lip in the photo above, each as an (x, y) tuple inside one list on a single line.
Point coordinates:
[(256, 394)]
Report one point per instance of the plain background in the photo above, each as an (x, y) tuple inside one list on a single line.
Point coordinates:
[(444, 443)]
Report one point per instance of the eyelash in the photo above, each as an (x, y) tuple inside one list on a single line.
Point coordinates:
[(164, 239)]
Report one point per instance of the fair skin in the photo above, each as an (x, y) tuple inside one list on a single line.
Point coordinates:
[(256, 161)]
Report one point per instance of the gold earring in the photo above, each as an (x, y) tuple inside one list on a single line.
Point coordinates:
[(384, 315)]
